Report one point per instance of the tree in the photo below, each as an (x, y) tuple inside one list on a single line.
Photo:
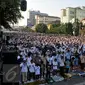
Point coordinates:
[(59, 29), (9, 12), (27, 29), (55, 25), (76, 27), (42, 28), (69, 28)]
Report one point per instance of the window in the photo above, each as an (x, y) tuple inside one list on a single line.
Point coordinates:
[(71, 12)]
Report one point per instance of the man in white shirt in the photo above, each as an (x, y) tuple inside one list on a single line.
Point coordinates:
[(32, 70), (61, 64), (55, 64), (49, 60), (29, 58), (37, 71), (24, 71)]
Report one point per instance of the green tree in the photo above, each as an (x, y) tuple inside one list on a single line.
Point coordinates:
[(69, 28), (55, 25), (61, 29), (27, 29), (42, 28), (9, 12), (76, 27)]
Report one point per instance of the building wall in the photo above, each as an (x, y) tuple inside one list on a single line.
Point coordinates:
[(32, 16), (69, 13), (46, 19)]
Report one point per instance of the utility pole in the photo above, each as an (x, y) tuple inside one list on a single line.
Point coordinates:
[(74, 25)]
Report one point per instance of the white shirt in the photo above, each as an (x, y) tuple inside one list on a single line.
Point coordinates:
[(55, 63), (37, 70), (32, 67), (29, 60), (61, 62), (23, 55), (18, 57), (83, 47), (50, 60), (24, 67)]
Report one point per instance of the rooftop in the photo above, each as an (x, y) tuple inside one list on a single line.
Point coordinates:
[(48, 16), (83, 7)]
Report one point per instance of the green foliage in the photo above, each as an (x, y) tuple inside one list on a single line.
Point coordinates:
[(55, 25), (42, 28), (58, 30), (9, 12), (27, 29), (69, 28), (76, 28), (82, 31)]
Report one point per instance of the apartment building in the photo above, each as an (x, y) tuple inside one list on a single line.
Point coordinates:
[(31, 20), (70, 13), (47, 19)]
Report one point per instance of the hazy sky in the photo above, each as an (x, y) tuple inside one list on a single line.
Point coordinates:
[(51, 7)]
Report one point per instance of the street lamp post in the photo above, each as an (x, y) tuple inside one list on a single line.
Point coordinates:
[(76, 25)]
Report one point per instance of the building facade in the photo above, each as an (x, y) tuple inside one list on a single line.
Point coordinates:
[(47, 19), (31, 21), (70, 14)]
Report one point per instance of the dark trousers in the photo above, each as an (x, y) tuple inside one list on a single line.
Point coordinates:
[(67, 70), (48, 74), (62, 71), (82, 66), (32, 76), (28, 75), (55, 72), (37, 77)]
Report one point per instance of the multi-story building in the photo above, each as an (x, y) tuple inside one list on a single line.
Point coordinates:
[(47, 19), (70, 14), (31, 21)]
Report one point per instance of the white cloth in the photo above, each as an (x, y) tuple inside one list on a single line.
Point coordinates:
[(18, 57), (37, 70), (50, 60), (32, 67), (61, 62), (23, 67), (29, 60), (55, 64)]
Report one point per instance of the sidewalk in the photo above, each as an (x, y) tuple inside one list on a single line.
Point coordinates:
[(69, 77)]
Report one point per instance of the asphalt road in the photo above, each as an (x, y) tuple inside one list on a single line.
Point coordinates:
[(75, 80)]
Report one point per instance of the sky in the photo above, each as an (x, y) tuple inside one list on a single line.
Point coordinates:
[(51, 7)]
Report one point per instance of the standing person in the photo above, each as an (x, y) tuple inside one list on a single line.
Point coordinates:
[(76, 62), (67, 65), (37, 71), (48, 68), (49, 63), (29, 58), (55, 68), (32, 70), (68, 54), (24, 71), (82, 59), (19, 59), (61, 64)]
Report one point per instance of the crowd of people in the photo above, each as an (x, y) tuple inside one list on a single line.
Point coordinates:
[(41, 55)]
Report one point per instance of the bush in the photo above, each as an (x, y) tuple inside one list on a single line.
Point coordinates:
[(27, 29), (60, 29), (42, 28)]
